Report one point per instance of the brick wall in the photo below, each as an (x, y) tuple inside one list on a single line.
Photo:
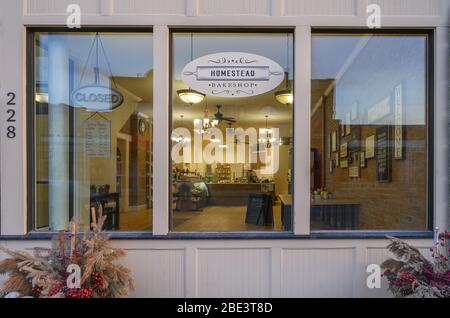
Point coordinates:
[(399, 204)]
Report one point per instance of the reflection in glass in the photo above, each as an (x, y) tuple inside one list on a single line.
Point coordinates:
[(368, 132), (93, 129)]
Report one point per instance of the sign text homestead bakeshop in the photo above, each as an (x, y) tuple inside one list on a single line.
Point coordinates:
[(233, 74)]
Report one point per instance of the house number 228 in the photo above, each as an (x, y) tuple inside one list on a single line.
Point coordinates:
[(11, 116)]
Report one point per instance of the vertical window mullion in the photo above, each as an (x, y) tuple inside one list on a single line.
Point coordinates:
[(161, 160), (302, 110)]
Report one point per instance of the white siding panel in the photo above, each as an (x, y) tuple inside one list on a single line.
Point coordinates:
[(158, 273), (234, 7), (320, 7), (46, 7), (166, 7), (375, 255), (318, 272), (234, 272), (408, 7)]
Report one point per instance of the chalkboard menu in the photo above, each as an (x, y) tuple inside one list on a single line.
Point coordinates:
[(259, 209), (97, 138), (383, 154)]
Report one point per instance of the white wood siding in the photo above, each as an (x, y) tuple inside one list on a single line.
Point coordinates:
[(242, 268)]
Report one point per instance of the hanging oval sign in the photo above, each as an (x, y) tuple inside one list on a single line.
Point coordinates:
[(97, 98), (232, 74)]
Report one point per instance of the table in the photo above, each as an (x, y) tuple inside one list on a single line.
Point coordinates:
[(334, 214)]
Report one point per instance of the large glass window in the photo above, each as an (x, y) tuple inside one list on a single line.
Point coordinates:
[(232, 122), (93, 129), (369, 121)]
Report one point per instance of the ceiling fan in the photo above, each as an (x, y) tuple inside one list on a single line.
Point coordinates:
[(219, 116)]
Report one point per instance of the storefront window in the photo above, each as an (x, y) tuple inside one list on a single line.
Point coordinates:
[(93, 129), (369, 122), (232, 122)]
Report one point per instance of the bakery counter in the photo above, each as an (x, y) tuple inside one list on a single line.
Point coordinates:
[(236, 193)]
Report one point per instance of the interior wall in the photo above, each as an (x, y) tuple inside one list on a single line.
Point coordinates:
[(399, 204)]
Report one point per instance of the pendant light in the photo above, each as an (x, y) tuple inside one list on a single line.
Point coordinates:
[(286, 96), (202, 125), (267, 132), (189, 95)]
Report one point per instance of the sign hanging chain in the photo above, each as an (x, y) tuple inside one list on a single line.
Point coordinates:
[(96, 41)]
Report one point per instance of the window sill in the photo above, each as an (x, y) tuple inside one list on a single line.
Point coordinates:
[(237, 235)]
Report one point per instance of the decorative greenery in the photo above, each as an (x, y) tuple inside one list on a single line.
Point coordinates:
[(412, 275), (44, 274)]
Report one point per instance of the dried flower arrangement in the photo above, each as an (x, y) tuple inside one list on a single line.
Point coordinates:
[(44, 274), (411, 275)]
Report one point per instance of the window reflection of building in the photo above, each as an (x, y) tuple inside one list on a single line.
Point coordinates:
[(84, 170), (354, 98)]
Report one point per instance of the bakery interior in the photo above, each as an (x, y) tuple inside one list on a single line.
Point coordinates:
[(349, 78)]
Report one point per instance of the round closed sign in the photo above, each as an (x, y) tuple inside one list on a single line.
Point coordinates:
[(97, 98), (233, 74)]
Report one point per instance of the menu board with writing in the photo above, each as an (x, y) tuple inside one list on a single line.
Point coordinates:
[(97, 138), (383, 154)]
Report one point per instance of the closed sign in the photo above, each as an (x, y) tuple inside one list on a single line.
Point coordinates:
[(233, 74), (97, 98)]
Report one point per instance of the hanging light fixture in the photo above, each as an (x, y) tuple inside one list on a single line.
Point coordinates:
[(189, 95), (286, 96), (202, 125), (267, 134)]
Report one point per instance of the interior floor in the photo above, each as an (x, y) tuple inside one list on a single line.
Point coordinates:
[(209, 219), (221, 219)]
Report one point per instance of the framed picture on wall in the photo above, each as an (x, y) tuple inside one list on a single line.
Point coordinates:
[(370, 147), (344, 150), (353, 172), (344, 163), (383, 154), (355, 141)]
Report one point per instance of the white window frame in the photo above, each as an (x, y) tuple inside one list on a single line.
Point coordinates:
[(161, 109), (14, 208)]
